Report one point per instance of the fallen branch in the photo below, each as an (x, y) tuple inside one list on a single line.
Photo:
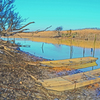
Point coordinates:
[(7, 33), (7, 52)]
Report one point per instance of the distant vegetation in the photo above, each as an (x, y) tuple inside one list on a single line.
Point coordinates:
[(95, 28), (58, 29)]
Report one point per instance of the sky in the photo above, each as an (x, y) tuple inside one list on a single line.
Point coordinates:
[(70, 14)]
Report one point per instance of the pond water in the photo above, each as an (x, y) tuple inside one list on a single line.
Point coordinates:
[(57, 52)]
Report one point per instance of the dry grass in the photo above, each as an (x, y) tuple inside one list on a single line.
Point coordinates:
[(84, 38), (54, 33)]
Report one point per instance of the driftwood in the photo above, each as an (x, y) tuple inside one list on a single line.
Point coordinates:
[(7, 50)]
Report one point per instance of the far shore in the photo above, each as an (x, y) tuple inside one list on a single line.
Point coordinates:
[(87, 38)]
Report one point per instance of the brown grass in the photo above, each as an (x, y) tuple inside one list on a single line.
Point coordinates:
[(54, 33), (78, 41)]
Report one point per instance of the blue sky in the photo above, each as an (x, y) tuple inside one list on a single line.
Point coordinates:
[(70, 14)]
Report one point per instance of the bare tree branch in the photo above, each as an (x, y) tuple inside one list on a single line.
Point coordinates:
[(13, 33), (43, 30), (10, 26), (24, 26), (10, 22), (19, 35)]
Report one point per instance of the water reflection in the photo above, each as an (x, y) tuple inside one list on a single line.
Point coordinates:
[(93, 52), (71, 52), (57, 45), (83, 52), (42, 48)]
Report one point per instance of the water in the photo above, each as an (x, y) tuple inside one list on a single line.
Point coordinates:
[(57, 52)]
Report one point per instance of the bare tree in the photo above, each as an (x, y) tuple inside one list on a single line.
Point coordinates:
[(10, 21), (58, 29)]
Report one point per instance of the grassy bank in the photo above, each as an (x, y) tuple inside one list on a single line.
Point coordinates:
[(65, 41)]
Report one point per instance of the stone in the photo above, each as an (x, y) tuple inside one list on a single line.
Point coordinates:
[(56, 99)]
